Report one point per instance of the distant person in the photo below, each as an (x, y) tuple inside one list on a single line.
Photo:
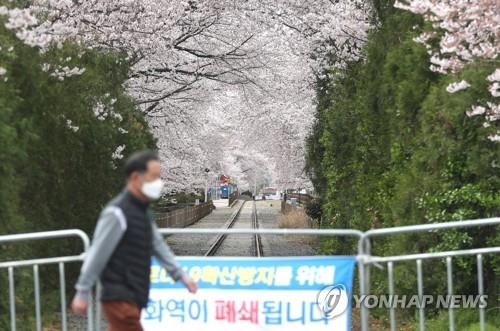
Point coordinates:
[(124, 240)]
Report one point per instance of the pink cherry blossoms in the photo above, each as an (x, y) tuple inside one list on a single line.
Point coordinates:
[(214, 78), (466, 32)]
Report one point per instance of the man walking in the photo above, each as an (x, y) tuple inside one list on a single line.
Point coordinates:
[(125, 238)]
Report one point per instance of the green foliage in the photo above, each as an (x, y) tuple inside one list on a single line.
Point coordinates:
[(51, 176), (392, 147), (313, 208), (465, 319)]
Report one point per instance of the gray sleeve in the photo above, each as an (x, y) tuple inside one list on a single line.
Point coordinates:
[(109, 230), (165, 255)]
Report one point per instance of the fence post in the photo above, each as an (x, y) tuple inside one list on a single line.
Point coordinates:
[(363, 291), (449, 274), (62, 285), (12, 299), (480, 289)]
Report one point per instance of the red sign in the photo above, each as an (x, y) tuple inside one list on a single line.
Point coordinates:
[(224, 179)]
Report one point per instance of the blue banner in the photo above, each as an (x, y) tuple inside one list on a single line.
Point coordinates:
[(272, 293)]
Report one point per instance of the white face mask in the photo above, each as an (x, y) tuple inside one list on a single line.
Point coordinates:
[(153, 189)]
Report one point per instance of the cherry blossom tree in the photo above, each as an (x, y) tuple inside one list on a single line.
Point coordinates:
[(225, 84), (465, 32)]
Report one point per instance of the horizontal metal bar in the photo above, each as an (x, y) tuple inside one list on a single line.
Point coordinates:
[(431, 227), (436, 255), (47, 260), (47, 235), (315, 232)]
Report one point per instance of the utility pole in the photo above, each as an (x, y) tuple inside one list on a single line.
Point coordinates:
[(216, 187), (206, 190), (206, 184)]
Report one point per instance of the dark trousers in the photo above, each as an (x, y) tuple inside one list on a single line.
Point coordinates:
[(122, 315)]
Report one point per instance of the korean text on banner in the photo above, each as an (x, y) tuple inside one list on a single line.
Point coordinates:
[(272, 293)]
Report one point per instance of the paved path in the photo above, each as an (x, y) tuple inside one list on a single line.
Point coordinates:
[(198, 244), (241, 245)]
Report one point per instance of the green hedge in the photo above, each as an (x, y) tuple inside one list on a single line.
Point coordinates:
[(390, 147), (52, 177)]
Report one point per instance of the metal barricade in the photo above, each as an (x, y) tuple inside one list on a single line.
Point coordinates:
[(355, 234), (364, 261), (96, 320), (35, 263)]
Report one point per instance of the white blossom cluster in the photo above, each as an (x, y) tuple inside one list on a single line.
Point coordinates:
[(69, 124), (227, 85), (103, 109), (61, 73), (467, 31), (457, 86), (118, 153), (39, 34), (494, 78)]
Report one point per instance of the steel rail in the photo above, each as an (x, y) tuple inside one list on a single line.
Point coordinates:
[(259, 252), (220, 238)]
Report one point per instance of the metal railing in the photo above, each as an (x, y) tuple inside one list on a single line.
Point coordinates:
[(183, 217), (301, 198), (364, 261), (35, 263)]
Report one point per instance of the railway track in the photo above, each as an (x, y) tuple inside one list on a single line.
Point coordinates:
[(255, 225), (256, 240)]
